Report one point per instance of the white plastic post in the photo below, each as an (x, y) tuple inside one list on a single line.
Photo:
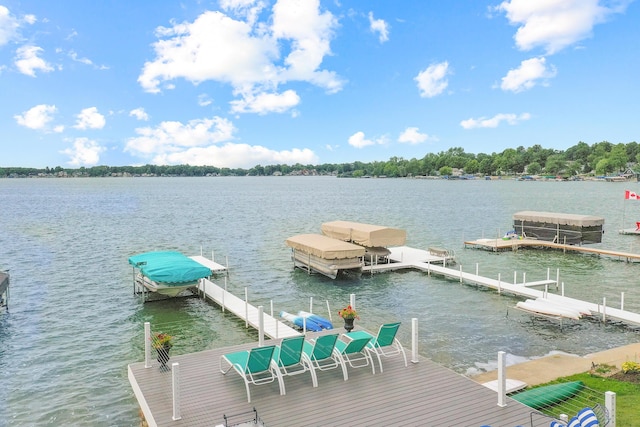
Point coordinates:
[(610, 404), (604, 309), (246, 307), (557, 275), (352, 301), (546, 291), (515, 275), (477, 269), (201, 250), (548, 273), (147, 344), (213, 258), (460, 273), (271, 304), (175, 388), (224, 293), (499, 285), (524, 277), (562, 288), (502, 379), (414, 340), (622, 301), (260, 326), (329, 311), (304, 326), (310, 304)]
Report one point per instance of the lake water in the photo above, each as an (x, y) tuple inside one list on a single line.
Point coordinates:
[(74, 324)]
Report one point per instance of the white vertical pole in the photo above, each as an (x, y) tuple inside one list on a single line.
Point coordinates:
[(515, 274), (175, 388), (622, 301), (304, 325), (246, 307), (201, 250), (147, 344), (610, 404), (604, 309), (414, 340), (477, 269), (562, 288), (213, 258), (329, 311), (524, 277), (460, 273), (548, 273), (502, 379), (310, 304), (227, 259), (558, 276), (260, 326), (352, 301), (224, 293), (499, 285), (271, 303)]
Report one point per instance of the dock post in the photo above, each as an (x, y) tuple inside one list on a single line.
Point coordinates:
[(246, 307), (604, 309), (147, 344), (622, 301), (311, 304), (260, 326), (175, 388), (610, 404), (499, 285), (329, 311), (352, 301), (414, 340), (524, 277), (271, 304), (515, 275), (460, 273), (224, 293), (562, 287), (502, 379)]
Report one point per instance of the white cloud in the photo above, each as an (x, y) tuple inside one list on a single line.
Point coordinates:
[(263, 103), (252, 57), (432, 81), (237, 156), (27, 60), (139, 114), (204, 100), (358, 140), (173, 137), (37, 118), (84, 152), (493, 122), (527, 75), (74, 56), (379, 26), (8, 26), (555, 24), (412, 135), (89, 118)]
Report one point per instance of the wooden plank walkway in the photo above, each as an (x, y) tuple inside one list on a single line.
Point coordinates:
[(514, 244), (422, 394)]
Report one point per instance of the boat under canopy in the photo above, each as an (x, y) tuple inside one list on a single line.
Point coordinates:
[(168, 272), (325, 255), (368, 235), (559, 227)]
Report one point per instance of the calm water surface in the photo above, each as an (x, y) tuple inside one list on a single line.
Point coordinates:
[(74, 325)]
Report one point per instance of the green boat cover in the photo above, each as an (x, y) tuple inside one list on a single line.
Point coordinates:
[(169, 267), (548, 395)]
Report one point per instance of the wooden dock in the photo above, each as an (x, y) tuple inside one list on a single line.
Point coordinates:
[(273, 327), (424, 393), (515, 244)]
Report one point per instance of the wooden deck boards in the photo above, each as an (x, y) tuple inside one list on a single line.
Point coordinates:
[(421, 394)]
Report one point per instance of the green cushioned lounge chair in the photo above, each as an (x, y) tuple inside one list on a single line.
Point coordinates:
[(386, 344), (355, 352), (255, 366), (321, 352), (291, 360)]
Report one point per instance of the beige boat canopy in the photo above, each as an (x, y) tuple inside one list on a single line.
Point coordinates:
[(324, 247), (559, 218), (364, 234)]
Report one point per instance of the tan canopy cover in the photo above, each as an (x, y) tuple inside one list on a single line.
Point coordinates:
[(559, 218), (364, 234), (324, 247)]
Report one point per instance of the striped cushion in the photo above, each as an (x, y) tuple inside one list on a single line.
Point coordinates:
[(574, 422), (588, 418), (556, 424)]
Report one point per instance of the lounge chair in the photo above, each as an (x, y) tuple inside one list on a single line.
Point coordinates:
[(255, 366), (290, 359), (354, 351), (385, 342), (321, 352)]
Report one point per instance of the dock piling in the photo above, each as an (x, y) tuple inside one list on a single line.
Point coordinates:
[(175, 389), (502, 379), (414, 340), (260, 326), (147, 344), (621, 300)]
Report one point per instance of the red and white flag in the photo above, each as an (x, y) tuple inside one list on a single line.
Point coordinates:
[(631, 195)]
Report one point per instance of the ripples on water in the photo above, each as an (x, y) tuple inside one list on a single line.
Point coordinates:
[(74, 324)]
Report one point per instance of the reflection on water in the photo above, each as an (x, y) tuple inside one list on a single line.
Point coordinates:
[(75, 323)]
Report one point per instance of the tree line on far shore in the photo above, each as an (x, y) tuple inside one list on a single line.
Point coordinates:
[(598, 159)]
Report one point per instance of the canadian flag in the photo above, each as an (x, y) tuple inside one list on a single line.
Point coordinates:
[(631, 195)]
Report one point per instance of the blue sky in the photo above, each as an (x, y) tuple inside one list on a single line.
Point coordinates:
[(236, 83)]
